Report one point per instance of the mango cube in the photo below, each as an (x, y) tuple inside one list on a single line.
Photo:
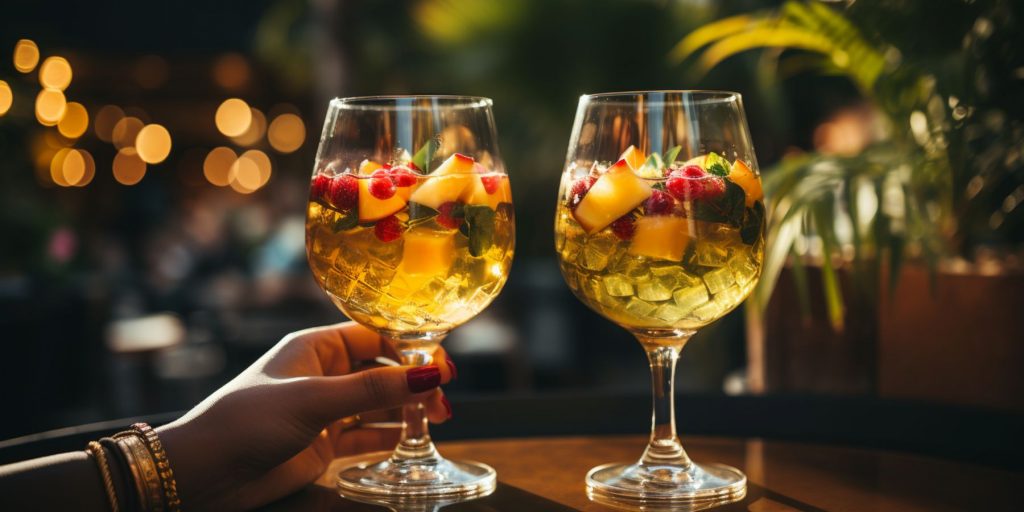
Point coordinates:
[(743, 176), (634, 157), (476, 193), (427, 251), (660, 236), (446, 183), (366, 167), (614, 194), (371, 208)]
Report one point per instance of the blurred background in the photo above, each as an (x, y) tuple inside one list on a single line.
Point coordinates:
[(156, 160)]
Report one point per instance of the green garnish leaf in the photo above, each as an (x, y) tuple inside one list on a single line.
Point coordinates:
[(425, 154), (348, 221), (670, 156), (716, 164), (727, 209), (479, 227), (753, 224), (419, 211)]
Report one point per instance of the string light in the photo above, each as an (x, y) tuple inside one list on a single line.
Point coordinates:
[(57, 167), (50, 106), (251, 171), (257, 128), (286, 133), (125, 132), (217, 166), (55, 73), (6, 97), (233, 117), (90, 168), (26, 55), (106, 119), (129, 169), (153, 143), (75, 121)]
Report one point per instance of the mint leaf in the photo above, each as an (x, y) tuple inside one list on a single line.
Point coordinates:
[(753, 224), (727, 209), (670, 156), (479, 227), (419, 211), (425, 154), (349, 221), (716, 164)]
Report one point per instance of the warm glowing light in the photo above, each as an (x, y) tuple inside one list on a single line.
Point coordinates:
[(26, 55), (233, 117), (257, 128), (231, 71), (125, 132), (75, 121), (287, 133), (153, 143), (55, 73), (251, 171), (128, 167), (106, 119), (90, 168), (57, 167), (73, 167), (217, 166), (6, 97), (50, 106)]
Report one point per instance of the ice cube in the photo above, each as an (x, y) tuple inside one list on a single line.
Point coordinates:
[(594, 288), (617, 285), (719, 279), (570, 251), (340, 285), (712, 253), (669, 312), (653, 290), (708, 312), (690, 298), (363, 298), (730, 297), (744, 267), (640, 308), (598, 250), (634, 267), (378, 274)]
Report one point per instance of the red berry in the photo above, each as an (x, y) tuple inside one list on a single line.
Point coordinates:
[(714, 187), (490, 183), (320, 186), (402, 177), (344, 191), (660, 203), (381, 186), (692, 171), (579, 189), (624, 227), (388, 229), (414, 167), (684, 189), (445, 217)]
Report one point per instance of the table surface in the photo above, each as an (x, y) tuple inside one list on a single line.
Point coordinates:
[(547, 474)]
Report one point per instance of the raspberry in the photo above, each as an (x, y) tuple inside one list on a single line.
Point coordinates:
[(445, 217), (381, 186), (624, 227), (490, 183), (320, 186), (684, 189), (388, 229), (660, 203), (579, 189), (691, 171), (344, 191), (401, 177), (714, 187)]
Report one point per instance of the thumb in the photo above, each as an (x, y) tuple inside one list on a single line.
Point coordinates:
[(378, 388)]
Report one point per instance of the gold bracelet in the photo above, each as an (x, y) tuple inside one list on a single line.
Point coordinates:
[(96, 451), (147, 478), (156, 449)]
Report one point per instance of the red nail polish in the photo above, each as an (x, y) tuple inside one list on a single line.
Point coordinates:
[(447, 406), (451, 366), (423, 378)]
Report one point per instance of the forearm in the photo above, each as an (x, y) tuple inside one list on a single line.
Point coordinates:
[(67, 481)]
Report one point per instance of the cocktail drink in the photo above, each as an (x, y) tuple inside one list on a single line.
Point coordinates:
[(410, 231), (660, 228)]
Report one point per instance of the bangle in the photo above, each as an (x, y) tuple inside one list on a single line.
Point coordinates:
[(156, 449), (143, 468), (96, 451), (123, 481)]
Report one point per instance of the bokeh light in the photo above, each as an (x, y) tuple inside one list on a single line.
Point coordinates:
[(55, 73), (153, 143), (286, 133), (126, 131), (129, 169), (257, 128), (90, 168), (75, 121), (73, 167), (251, 171), (106, 119), (231, 71), (57, 167), (26, 55), (50, 106), (6, 97), (217, 166), (233, 117)]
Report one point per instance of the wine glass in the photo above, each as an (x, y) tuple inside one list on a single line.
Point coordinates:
[(660, 229), (410, 231)]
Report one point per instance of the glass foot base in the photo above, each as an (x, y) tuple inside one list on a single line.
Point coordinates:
[(663, 487), (375, 474)]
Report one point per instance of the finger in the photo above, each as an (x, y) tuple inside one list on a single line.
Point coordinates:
[(438, 408), (338, 346), (444, 361), (371, 390)]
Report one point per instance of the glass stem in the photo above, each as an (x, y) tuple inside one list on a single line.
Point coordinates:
[(415, 446), (664, 446)]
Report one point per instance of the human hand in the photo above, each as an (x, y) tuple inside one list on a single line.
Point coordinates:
[(276, 426)]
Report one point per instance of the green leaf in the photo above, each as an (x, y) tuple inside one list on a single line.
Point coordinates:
[(652, 167), (420, 213), (670, 156), (727, 209), (425, 154), (349, 221), (479, 227), (753, 224), (716, 164)]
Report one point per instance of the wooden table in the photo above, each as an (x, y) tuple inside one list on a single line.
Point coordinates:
[(783, 477)]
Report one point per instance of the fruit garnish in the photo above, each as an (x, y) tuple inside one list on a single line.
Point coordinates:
[(477, 192), (368, 167), (343, 191), (684, 187), (634, 157), (371, 207), (490, 183), (716, 164), (662, 237), (651, 168), (381, 185), (450, 215), (714, 187), (659, 203), (692, 171), (388, 229), (697, 160), (613, 195), (446, 183), (579, 189), (427, 251), (748, 181), (402, 177), (320, 186), (624, 227)]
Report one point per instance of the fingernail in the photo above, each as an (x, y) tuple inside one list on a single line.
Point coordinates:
[(451, 366), (447, 406), (423, 378)]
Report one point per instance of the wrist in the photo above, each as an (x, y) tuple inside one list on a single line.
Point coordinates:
[(184, 447)]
